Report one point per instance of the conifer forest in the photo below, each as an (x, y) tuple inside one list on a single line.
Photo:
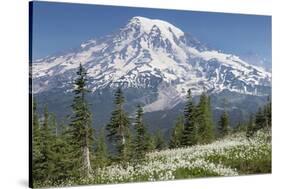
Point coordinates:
[(77, 152)]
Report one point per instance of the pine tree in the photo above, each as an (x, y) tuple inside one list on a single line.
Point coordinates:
[(150, 142), (118, 131), (36, 144), (260, 120), (223, 124), (101, 156), (81, 127), (47, 164), (140, 141), (250, 127), (176, 137), (159, 140), (189, 135), (240, 127), (53, 124), (268, 112), (204, 119), (61, 153)]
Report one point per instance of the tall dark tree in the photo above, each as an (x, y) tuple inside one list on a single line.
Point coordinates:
[(140, 141), (150, 142), (177, 131), (223, 126), (250, 127), (159, 140), (204, 120), (62, 157), (81, 127), (268, 112), (101, 155), (46, 148), (36, 143), (189, 135), (118, 131), (260, 119)]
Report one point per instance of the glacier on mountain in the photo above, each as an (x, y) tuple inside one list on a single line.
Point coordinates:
[(151, 54)]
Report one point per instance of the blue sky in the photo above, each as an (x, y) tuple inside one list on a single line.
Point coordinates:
[(58, 27)]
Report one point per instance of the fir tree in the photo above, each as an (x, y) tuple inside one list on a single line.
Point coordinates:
[(250, 127), (159, 140), (61, 153), (101, 156), (177, 131), (260, 119), (240, 127), (47, 164), (36, 144), (189, 135), (268, 113), (81, 127), (118, 131), (140, 141), (150, 142), (223, 124), (204, 119)]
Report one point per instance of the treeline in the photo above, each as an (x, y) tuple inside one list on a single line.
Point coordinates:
[(73, 150), (196, 126), (260, 120)]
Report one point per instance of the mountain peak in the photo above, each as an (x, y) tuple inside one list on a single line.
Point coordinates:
[(148, 25)]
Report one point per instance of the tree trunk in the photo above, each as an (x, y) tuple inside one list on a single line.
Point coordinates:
[(86, 161)]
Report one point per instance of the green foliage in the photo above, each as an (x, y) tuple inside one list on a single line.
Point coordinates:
[(177, 132), (159, 140), (204, 120), (47, 137), (263, 117), (260, 119), (36, 143), (183, 173), (118, 131), (189, 135), (81, 131), (223, 124), (140, 141), (101, 155), (250, 127), (150, 142), (64, 154), (240, 127)]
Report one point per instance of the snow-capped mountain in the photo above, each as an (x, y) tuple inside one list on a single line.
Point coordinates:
[(154, 55)]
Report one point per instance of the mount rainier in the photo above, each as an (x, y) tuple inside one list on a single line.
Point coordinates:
[(155, 62)]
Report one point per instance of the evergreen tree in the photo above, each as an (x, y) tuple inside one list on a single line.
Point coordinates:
[(140, 142), (81, 127), (53, 124), (250, 127), (268, 112), (223, 124), (204, 119), (61, 153), (47, 164), (118, 129), (101, 156), (260, 120), (240, 127), (36, 144), (189, 135), (176, 137), (150, 142), (159, 140)]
